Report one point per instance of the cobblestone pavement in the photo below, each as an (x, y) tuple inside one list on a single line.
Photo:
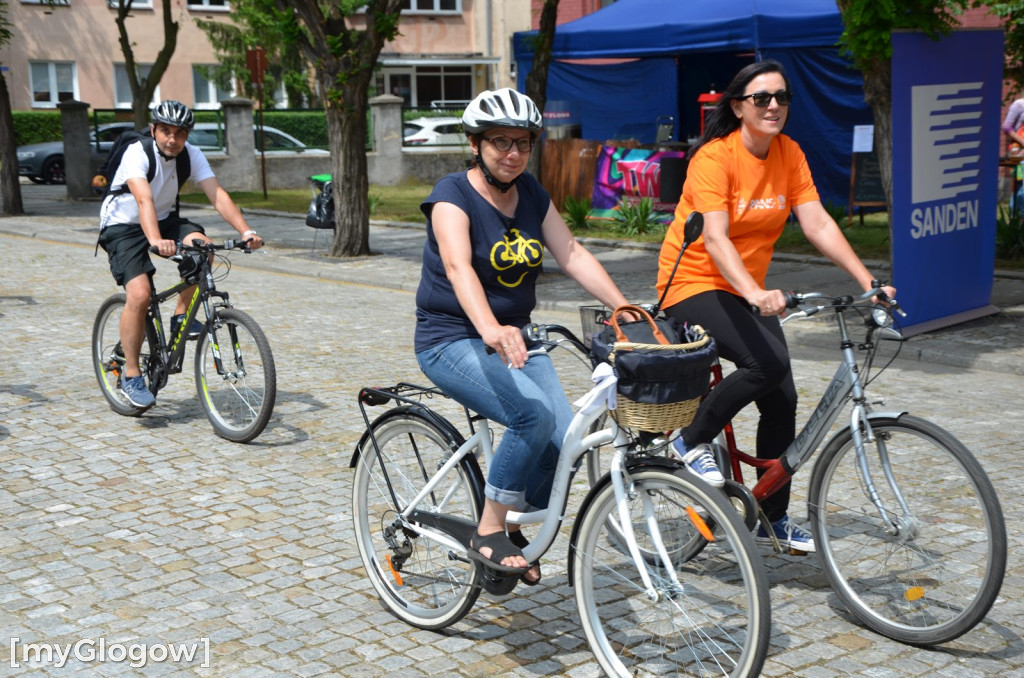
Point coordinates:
[(153, 530)]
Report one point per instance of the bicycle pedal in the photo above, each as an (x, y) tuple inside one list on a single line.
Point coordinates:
[(798, 552)]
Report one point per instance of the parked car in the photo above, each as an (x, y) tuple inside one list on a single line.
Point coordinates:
[(44, 163), (209, 136), (440, 131)]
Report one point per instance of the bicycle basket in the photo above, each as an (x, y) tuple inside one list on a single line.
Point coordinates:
[(660, 385)]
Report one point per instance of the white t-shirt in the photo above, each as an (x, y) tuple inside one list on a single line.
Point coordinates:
[(123, 209)]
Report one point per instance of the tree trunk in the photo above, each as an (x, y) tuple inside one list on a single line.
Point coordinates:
[(10, 189), (878, 94), (347, 128), (537, 79)]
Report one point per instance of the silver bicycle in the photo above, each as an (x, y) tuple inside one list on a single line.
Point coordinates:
[(647, 608)]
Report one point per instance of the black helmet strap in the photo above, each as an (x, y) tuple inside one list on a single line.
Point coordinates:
[(503, 186)]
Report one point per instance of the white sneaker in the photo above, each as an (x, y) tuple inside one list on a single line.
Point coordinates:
[(700, 461)]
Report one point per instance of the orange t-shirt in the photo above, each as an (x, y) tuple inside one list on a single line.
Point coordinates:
[(757, 195)]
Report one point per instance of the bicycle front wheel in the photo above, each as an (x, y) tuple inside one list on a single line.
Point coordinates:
[(108, 357), (931, 575), (238, 398), (418, 579), (715, 621)]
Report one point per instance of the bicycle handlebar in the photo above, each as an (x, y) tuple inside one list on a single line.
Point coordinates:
[(203, 247), (801, 300), (534, 334)]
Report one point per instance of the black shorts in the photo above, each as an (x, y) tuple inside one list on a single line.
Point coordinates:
[(128, 249)]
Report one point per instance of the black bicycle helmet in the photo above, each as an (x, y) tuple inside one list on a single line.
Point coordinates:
[(501, 108), (173, 113)]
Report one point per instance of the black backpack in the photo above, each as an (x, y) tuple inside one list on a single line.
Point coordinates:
[(113, 161)]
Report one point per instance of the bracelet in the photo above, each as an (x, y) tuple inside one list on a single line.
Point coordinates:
[(249, 232)]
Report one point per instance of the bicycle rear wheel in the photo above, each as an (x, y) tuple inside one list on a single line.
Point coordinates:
[(239, 401), (939, 575), (716, 622), (108, 357), (418, 579)]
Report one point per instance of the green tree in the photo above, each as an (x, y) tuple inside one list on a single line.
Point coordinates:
[(1012, 15), (143, 88), (254, 23), (344, 57), (10, 189), (537, 79)]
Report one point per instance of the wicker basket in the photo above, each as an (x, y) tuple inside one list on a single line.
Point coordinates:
[(657, 418)]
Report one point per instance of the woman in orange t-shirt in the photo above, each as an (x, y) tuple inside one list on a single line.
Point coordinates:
[(746, 177)]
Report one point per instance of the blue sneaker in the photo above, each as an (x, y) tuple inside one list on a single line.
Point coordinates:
[(789, 534), (136, 391), (700, 461), (194, 329)]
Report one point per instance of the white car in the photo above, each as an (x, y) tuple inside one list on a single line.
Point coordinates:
[(433, 133), (210, 137)]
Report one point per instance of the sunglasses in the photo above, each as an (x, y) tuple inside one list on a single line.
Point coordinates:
[(504, 144), (762, 99)]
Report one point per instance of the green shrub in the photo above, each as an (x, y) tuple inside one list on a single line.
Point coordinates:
[(576, 212), (308, 126), (376, 200), (36, 127), (1010, 233), (632, 220)]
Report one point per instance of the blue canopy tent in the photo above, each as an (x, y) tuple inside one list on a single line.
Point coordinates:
[(676, 50)]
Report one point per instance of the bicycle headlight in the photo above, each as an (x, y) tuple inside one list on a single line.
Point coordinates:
[(881, 316)]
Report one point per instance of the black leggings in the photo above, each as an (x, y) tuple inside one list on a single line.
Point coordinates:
[(757, 346)]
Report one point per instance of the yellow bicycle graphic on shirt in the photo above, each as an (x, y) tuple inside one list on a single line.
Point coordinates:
[(517, 251)]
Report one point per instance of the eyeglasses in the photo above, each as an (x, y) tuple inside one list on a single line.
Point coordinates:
[(762, 99), (504, 144)]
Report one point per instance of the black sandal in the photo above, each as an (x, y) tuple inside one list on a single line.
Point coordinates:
[(501, 548), (519, 539)]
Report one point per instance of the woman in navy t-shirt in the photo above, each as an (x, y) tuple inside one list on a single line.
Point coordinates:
[(487, 229)]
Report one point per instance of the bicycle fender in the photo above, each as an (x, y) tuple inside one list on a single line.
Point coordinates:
[(430, 416), (664, 463), (871, 416)]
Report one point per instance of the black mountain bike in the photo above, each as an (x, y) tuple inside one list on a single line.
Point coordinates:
[(236, 388)]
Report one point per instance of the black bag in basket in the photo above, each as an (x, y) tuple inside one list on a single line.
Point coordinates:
[(656, 362)]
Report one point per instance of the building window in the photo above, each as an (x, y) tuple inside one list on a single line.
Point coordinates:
[(209, 4), (123, 91), (52, 82), (432, 6), (208, 94), (430, 86), (136, 4), (444, 86)]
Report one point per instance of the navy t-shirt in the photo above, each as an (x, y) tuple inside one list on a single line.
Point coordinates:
[(507, 256)]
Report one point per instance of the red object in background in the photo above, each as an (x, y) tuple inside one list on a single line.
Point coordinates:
[(707, 101)]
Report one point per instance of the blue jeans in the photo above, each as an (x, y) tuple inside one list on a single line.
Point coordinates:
[(530, 403)]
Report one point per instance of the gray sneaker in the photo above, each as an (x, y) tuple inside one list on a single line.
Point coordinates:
[(136, 391)]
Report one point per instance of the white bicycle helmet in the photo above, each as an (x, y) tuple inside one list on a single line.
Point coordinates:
[(173, 113), (501, 108)]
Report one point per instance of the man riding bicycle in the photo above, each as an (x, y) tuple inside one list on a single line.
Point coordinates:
[(139, 212)]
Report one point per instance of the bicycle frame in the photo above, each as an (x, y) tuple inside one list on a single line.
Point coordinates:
[(577, 442), (171, 356), (845, 385)]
